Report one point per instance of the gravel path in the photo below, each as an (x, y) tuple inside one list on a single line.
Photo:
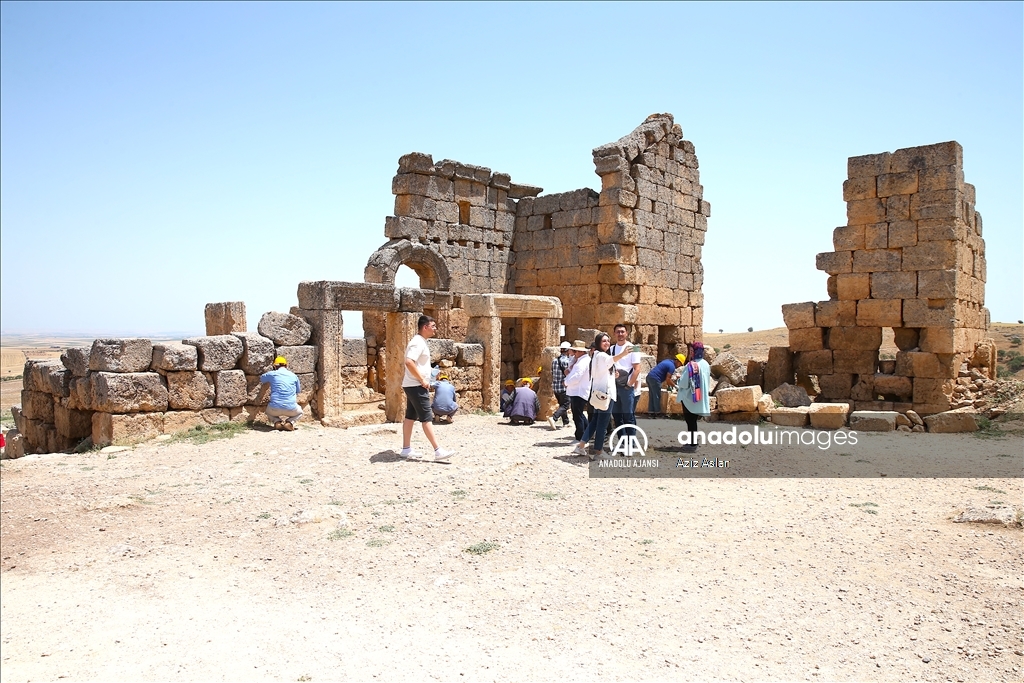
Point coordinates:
[(319, 555)]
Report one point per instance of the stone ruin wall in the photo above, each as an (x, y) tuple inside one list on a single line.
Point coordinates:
[(629, 253), (911, 257)]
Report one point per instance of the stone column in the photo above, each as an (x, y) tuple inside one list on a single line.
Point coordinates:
[(401, 328), (486, 331), (328, 332), (225, 317)]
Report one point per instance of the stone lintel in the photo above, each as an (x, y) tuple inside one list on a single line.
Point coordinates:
[(511, 306)]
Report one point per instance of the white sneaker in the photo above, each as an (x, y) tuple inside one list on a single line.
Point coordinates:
[(441, 454), (413, 454), (579, 450), (551, 423)]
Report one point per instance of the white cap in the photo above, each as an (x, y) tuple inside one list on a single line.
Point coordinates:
[(565, 345)]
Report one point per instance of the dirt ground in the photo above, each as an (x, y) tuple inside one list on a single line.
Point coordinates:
[(175, 561)]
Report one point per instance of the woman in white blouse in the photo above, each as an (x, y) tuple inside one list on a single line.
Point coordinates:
[(602, 377)]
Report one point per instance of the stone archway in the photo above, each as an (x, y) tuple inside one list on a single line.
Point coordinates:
[(426, 262)]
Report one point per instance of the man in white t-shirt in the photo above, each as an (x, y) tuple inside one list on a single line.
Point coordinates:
[(627, 374), (416, 383)]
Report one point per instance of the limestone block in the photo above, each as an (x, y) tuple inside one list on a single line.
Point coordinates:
[(307, 386), (902, 234), (128, 392), (765, 405), (471, 400), (215, 416), (175, 357), (864, 211), (855, 338), (469, 354), (873, 420), (755, 373), (349, 296), (76, 360), (257, 394), (124, 430), (285, 329), (855, 362), (930, 256), (189, 391), (876, 260), (951, 422), (441, 349), (15, 445), (828, 415), (923, 364), (58, 378), (81, 393), (897, 208), (806, 339), (835, 262), (899, 386), (813, 362), (906, 337), (35, 432), (876, 236), (35, 376), (249, 414), (893, 285), (301, 359), (744, 417), (217, 353), (835, 314), (791, 417), (853, 286), (868, 165), (72, 424), (864, 389), (225, 318), (897, 183), (798, 316), (790, 396), (738, 399), (355, 376), (929, 313), (779, 368), (932, 391), (836, 385), (728, 366), (936, 204), (257, 353), (121, 355), (182, 420), (353, 353), (859, 188), (37, 405), (231, 389), (878, 313), (927, 156)]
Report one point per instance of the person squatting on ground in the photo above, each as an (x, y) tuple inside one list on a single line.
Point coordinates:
[(627, 374), (559, 369), (416, 383), (445, 401), (284, 388), (602, 381), (577, 387), (692, 391), (657, 378), (525, 405), (508, 394)]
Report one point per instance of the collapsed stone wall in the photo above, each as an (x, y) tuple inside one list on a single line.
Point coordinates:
[(910, 258)]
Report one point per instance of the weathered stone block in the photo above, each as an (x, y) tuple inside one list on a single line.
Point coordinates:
[(855, 338), (182, 420), (853, 286), (728, 366), (835, 262), (902, 234), (836, 314), (15, 446), (868, 165), (738, 399), (121, 355), (927, 156), (906, 338), (469, 354), (828, 415), (441, 349), (35, 376), (128, 392), (301, 359), (779, 368), (893, 285), (77, 360), (855, 362), (349, 296), (859, 188), (898, 386), (37, 405), (231, 390), (469, 378), (897, 183), (864, 389), (353, 353), (189, 391), (876, 236), (836, 385), (307, 385), (216, 353), (813, 362), (864, 211), (124, 430), (873, 420), (848, 237), (354, 376), (791, 417), (938, 284), (285, 329), (225, 318), (930, 256), (951, 422), (932, 391), (922, 364), (876, 260), (877, 313), (175, 357), (257, 353), (798, 316), (58, 378), (755, 372), (257, 394), (72, 424), (80, 397), (806, 339), (929, 313)]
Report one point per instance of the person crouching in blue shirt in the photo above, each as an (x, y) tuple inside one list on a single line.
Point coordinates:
[(444, 405), (657, 378), (284, 388)]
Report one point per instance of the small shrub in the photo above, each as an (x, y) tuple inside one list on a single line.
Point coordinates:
[(378, 542), (387, 528), (481, 548), (750, 329), (459, 494), (727, 346), (339, 534), (201, 434), (548, 496)]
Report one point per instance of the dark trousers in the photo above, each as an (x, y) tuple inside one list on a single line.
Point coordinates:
[(563, 407), (622, 409), (580, 415), (597, 428), (691, 422), (654, 396)]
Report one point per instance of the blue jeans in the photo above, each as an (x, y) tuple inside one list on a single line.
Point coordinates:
[(623, 411), (580, 409), (597, 428)]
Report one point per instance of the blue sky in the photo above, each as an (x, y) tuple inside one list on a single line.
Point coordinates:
[(155, 157)]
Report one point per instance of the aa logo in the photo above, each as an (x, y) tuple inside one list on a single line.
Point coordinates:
[(625, 441)]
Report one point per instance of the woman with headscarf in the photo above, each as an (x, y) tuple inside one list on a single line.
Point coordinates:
[(692, 391), (602, 379)]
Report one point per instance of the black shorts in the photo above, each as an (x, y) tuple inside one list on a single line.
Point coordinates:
[(417, 404)]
